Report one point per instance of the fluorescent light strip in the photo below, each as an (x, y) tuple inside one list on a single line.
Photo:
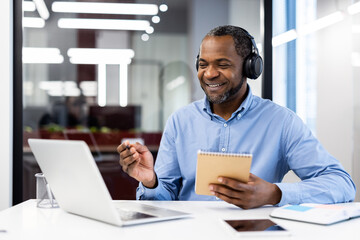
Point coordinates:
[(100, 56), (42, 9), (41, 55), (60, 88), (101, 85), (308, 28), (100, 60), (105, 8), (109, 24), (284, 38), (68, 88), (45, 60), (321, 23), (33, 22), (123, 85), (75, 92), (175, 83), (354, 8), (28, 6), (48, 85), (89, 88)]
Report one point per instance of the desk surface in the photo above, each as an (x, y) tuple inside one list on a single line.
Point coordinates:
[(26, 221)]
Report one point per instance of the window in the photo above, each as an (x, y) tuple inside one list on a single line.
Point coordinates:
[(294, 59)]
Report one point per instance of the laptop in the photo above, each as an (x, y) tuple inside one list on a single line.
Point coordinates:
[(79, 188)]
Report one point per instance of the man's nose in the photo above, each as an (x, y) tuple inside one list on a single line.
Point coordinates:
[(211, 72)]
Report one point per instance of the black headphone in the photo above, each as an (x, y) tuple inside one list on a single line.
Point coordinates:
[(253, 63)]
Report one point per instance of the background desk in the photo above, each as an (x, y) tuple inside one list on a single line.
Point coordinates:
[(26, 221)]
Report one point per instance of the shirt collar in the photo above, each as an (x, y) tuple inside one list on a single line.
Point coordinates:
[(245, 105)]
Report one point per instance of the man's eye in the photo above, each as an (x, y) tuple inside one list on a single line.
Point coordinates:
[(224, 65)]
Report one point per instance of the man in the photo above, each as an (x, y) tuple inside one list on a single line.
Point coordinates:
[(231, 119)]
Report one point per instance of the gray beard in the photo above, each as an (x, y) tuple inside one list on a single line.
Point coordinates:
[(227, 95)]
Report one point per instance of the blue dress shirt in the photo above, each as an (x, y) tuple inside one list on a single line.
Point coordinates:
[(277, 138)]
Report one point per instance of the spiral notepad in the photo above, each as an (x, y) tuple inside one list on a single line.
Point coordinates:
[(211, 165)]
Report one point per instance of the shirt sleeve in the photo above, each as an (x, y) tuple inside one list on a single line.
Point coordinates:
[(166, 168), (324, 180)]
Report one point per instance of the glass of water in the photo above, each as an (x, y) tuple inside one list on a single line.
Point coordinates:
[(44, 196)]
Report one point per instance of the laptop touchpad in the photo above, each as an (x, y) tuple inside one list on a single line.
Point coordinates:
[(132, 215)]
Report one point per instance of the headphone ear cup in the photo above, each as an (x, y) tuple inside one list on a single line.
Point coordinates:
[(253, 66), (197, 63)]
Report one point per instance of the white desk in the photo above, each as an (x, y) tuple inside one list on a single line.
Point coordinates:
[(26, 221)]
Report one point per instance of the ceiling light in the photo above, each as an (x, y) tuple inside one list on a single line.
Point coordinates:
[(100, 56), (145, 37), (42, 9), (123, 85), (109, 24), (101, 95), (41, 55), (321, 23), (175, 83), (284, 38), (163, 7), (28, 6), (149, 30), (155, 19), (60, 88), (354, 8), (89, 88), (105, 8), (33, 22)]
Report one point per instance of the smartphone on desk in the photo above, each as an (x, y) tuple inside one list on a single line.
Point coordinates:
[(256, 227)]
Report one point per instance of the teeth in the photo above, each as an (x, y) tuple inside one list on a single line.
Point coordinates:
[(214, 85)]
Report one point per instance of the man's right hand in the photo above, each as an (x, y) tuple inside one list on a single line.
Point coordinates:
[(137, 161)]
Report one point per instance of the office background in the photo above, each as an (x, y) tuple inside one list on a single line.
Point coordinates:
[(314, 73)]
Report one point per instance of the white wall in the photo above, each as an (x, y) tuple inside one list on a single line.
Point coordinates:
[(246, 14), (335, 89), (335, 99), (5, 106), (204, 15)]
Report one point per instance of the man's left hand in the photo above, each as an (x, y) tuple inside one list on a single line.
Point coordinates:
[(256, 193)]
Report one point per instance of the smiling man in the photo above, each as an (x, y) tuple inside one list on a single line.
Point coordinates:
[(231, 119)]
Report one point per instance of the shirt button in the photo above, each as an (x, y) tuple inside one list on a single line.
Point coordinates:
[(225, 125), (223, 149)]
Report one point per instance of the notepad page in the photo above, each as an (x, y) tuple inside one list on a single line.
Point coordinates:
[(211, 165)]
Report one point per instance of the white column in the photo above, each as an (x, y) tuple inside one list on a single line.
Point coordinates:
[(101, 85), (123, 85), (6, 67)]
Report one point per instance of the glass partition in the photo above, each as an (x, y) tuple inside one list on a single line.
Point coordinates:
[(104, 71), (316, 71)]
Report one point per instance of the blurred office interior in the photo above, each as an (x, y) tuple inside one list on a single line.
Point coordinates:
[(104, 71)]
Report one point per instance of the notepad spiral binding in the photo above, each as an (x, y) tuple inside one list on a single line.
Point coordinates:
[(202, 152)]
